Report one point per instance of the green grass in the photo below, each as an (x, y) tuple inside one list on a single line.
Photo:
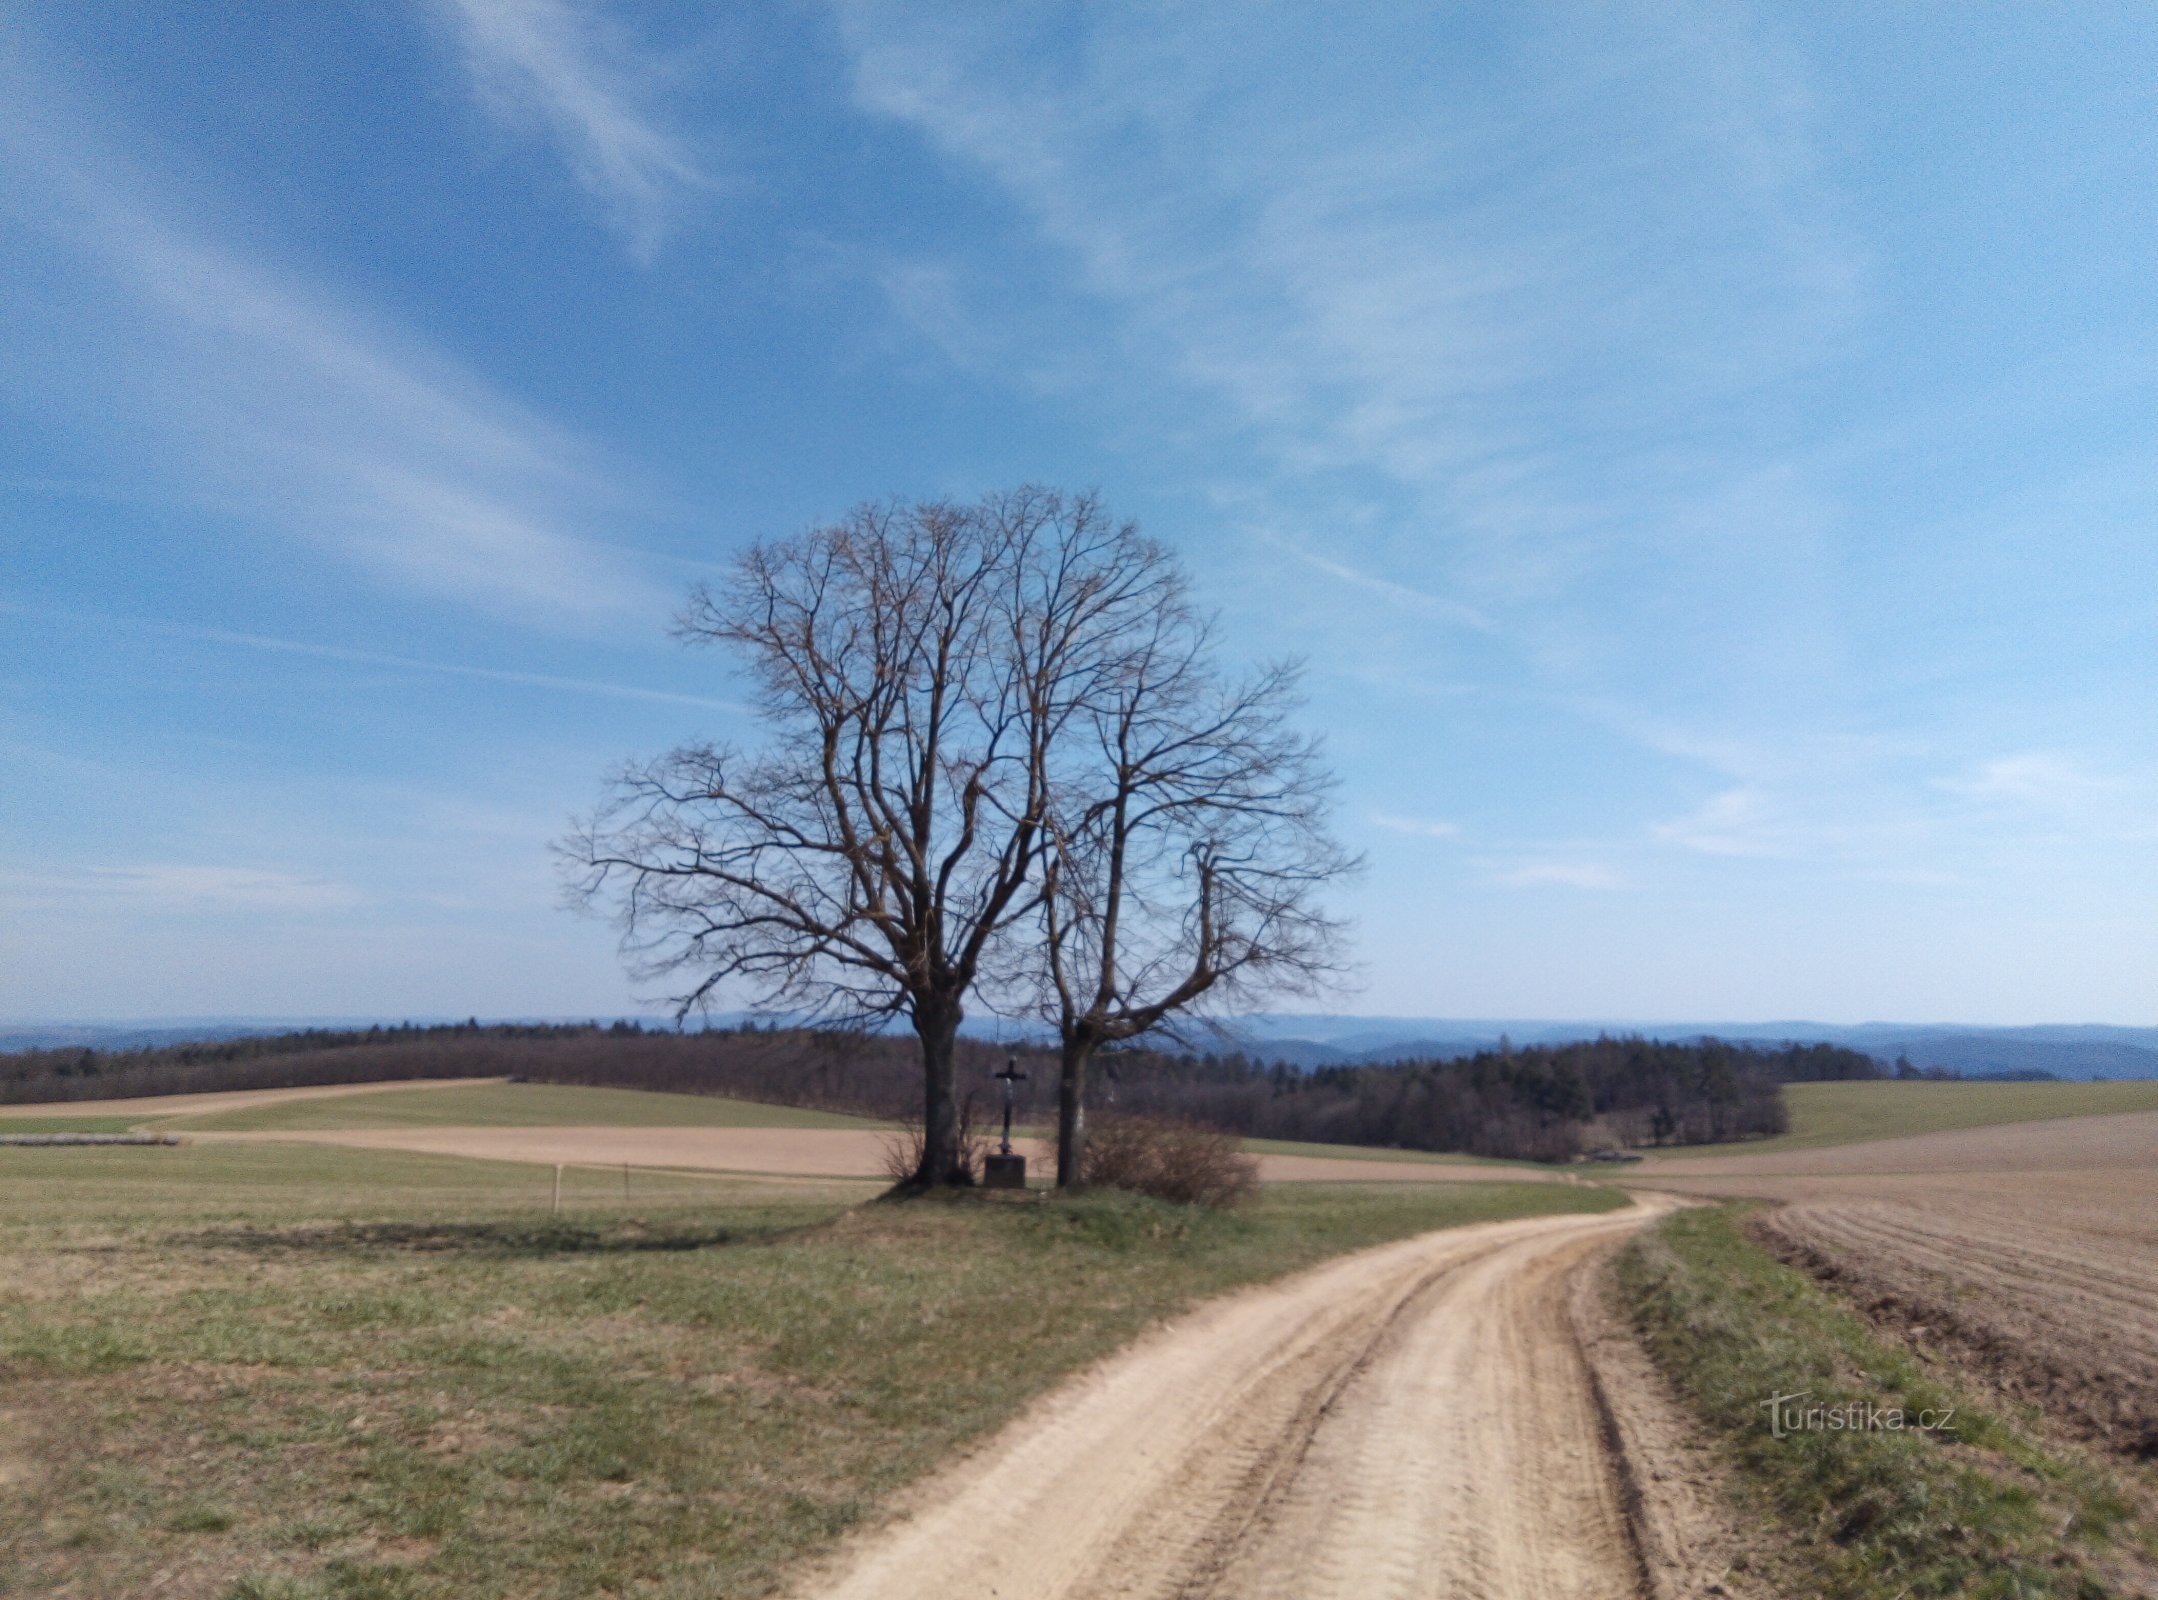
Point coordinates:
[(1984, 1511), (314, 1373), (511, 1105), (1848, 1113), (1372, 1152)]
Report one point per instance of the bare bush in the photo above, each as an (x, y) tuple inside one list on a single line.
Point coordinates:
[(903, 1146), (1180, 1162)]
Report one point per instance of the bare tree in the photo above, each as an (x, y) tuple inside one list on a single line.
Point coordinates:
[(1188, 850), (914, 668)]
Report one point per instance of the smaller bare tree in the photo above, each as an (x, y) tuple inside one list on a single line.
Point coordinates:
[(1187, 853)]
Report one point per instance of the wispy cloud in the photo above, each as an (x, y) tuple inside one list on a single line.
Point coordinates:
[(2058, 791), (1560, 875), (1469, 316), (1308, 225), (1732, 822), (245, 384), (2041, 778), (377, 658), (1436, 607), (174, 889), (562, 68), (1416, 827)]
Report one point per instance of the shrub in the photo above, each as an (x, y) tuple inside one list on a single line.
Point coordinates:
[(1180, 1162), (903, 1147)]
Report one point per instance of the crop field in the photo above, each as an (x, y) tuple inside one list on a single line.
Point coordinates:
[(255, 1369)]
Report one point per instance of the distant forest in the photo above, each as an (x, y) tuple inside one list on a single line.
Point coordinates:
[(1542, 1103)]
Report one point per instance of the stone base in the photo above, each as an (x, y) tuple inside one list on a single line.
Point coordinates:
[(1004, 1172)]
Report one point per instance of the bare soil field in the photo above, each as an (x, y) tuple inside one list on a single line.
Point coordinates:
[(1425, 1417), (823, 1153), (549, 1124), (2027, 1252), (172, 1105)]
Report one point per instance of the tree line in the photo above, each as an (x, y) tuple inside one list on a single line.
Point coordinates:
[(1544, 1103), (817, 1069)]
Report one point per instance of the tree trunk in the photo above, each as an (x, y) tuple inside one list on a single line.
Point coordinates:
[(938, 1029), (1071, 1112)]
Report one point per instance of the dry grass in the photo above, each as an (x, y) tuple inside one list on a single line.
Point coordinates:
[(314, 1372)]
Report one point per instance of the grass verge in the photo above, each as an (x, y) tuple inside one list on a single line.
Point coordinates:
[(1984, 1510), (236, 1373)]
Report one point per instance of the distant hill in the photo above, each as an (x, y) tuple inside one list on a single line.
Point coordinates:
[(2065, 1050)]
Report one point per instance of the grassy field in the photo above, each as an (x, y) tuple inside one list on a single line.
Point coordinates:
[(1980, 1508), (239, 1373), (511, 1105), (1846, 1113), (1372, 1152)]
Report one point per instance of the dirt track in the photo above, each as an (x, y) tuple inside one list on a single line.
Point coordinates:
[(1419, 1419)]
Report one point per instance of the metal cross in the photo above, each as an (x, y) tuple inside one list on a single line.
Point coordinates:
[(1009, 1076)]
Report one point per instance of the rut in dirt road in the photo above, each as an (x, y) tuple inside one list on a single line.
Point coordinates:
[(1416, 1420)]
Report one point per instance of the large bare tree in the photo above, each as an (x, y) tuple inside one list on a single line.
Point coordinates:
[(1187, 852), (914, 668)]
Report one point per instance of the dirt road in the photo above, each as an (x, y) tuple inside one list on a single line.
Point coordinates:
[(1420, 1419)]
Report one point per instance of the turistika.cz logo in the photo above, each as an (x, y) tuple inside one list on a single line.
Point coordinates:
[(1790, 1413)]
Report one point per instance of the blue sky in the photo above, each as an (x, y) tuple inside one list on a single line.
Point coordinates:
[(1704, 451)]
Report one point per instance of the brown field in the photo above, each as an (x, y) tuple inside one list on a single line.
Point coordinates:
[(173, 1105), (489, 1119), (2026, 1252), (822, 1153)]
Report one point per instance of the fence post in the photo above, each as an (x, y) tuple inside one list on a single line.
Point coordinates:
[(557, 1206)]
